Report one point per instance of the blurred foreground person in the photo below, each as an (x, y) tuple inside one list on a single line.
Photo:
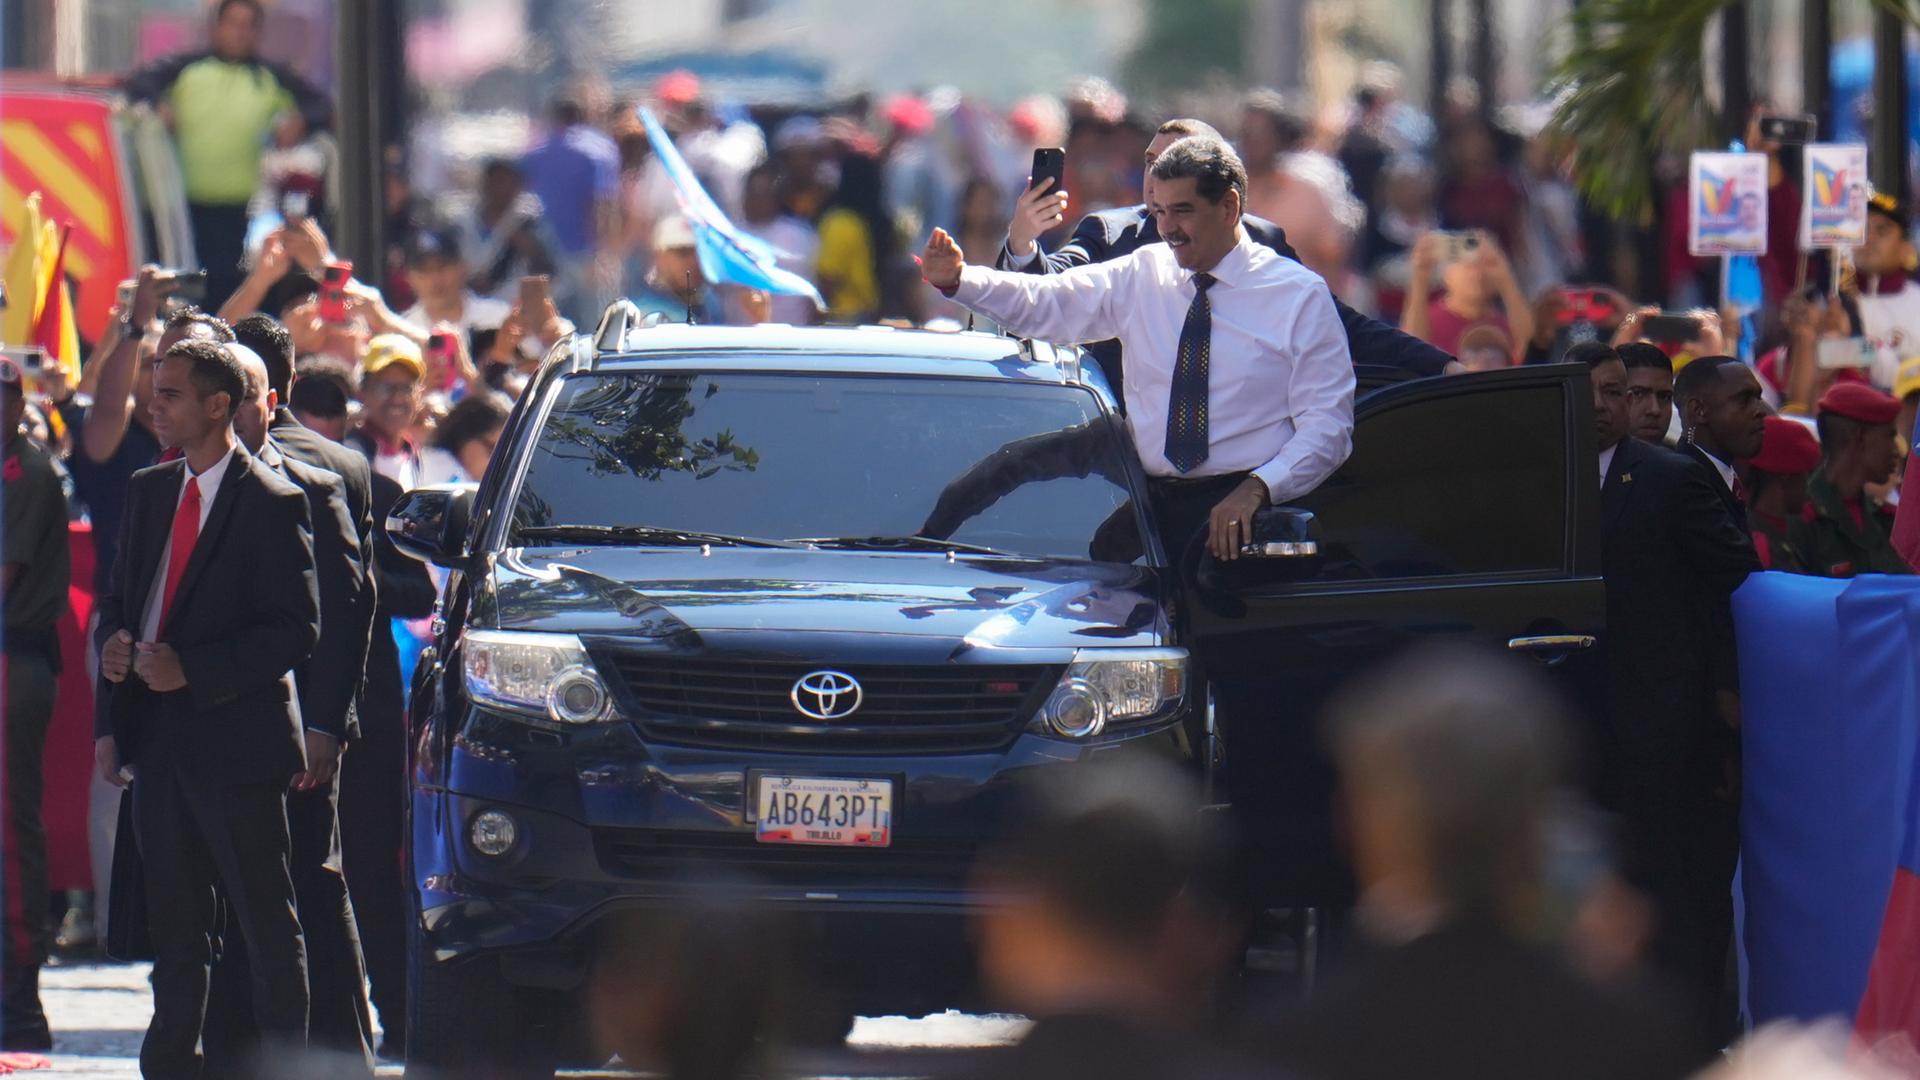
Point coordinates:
[(1106, 874), (1449, 763), (697, 992), (34, 575)]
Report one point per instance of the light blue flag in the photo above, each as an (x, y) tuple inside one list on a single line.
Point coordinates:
[(726, 253)]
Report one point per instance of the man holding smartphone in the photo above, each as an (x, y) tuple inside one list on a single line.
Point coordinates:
[(1113, 234)]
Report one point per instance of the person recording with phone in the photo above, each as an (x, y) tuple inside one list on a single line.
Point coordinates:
[(1116, 233), (1478, 289)]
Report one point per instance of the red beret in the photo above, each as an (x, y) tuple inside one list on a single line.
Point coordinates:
[(1858, 401), (1788, 447)]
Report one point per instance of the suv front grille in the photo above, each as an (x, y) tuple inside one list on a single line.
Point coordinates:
[(906, 862), (747, 704)]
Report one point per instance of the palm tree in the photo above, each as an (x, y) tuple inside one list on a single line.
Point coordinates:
[(1632, 87)]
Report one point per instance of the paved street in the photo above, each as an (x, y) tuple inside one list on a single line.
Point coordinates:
[(98, 1013)]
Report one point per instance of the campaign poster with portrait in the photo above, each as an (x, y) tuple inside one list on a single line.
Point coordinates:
[(1833, 200), (1727, 208)]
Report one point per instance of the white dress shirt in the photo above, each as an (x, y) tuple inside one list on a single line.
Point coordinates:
[(1280, 380), (1727, 475), (209, 482)]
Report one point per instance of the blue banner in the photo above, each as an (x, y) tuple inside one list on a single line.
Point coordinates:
[(1830, 731)]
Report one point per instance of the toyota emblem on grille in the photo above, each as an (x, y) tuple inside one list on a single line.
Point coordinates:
[(826, 695)]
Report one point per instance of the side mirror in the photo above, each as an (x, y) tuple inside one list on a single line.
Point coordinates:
[(430, 523), (1281, 532)]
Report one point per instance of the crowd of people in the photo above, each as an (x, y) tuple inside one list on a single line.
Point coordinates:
[(305, 399)]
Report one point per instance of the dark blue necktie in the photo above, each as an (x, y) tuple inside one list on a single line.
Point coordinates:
[(1187, 403)]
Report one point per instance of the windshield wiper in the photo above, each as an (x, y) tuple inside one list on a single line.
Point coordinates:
[(902, 543), (643, 534)]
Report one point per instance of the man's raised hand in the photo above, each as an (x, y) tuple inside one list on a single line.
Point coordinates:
[(941, 260)]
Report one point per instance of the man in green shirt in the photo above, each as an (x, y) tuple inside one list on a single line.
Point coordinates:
[(33, 589), (222, 104)]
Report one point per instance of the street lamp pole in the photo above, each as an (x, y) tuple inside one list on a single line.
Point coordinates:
[(363, 46), (1735, 71), (1887, 157), (1816, 61)]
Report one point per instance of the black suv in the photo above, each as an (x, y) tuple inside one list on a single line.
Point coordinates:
[(803, 604)]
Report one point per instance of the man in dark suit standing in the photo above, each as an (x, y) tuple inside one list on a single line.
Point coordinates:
[(1723, 418), (1111, 234), (1672, 556), (372, 783), (327, 684), (212, 604)]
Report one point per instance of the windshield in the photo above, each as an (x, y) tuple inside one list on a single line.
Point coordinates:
[(848, 461)]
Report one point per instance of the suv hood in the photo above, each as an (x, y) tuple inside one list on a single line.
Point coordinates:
[(682, 594)]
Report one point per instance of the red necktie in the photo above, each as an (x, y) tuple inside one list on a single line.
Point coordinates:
[(186, 529), (1739, 492)]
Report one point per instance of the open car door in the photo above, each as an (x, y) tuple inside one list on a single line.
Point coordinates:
[(1468, 510)]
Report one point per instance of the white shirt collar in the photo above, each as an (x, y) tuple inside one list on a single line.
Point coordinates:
[(1234, 263), (1606, 462), (1725, 470), (209, 481)]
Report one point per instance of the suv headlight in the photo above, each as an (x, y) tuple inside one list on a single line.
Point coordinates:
[(1108, 686), (540, 674)]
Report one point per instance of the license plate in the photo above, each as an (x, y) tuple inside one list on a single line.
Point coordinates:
[(815, 810)]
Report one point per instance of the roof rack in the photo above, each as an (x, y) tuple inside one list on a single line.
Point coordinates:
[(620, 315)]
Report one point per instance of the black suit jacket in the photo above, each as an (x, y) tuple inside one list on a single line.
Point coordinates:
[(1672, 555), (329, 681), (246, 613), (1111, 234), (1734, 506), (1467, 1002)]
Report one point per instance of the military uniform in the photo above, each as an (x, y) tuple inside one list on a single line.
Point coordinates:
[(1773, 541), (1833, 543)]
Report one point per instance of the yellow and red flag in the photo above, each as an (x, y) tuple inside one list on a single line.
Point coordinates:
[(25, 288), (54, 328)]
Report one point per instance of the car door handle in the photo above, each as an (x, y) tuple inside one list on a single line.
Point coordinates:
[(1552, 643)]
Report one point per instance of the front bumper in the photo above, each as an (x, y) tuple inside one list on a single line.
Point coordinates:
[(608, 824)]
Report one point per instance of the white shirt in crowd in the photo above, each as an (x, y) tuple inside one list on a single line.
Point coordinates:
[(1280, 383), (476, 313), (209, 482), (1606, 462), (1892, 322)]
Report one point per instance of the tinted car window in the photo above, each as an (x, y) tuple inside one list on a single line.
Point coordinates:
[(1034, 470), (1400, 508)]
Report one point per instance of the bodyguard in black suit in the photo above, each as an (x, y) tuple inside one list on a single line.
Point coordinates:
[(1723, 419), (212, 604), (1113, 234), (1672, 556), (327, 683)]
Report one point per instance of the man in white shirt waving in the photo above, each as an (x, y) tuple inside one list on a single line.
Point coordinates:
[(1240, 387)]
